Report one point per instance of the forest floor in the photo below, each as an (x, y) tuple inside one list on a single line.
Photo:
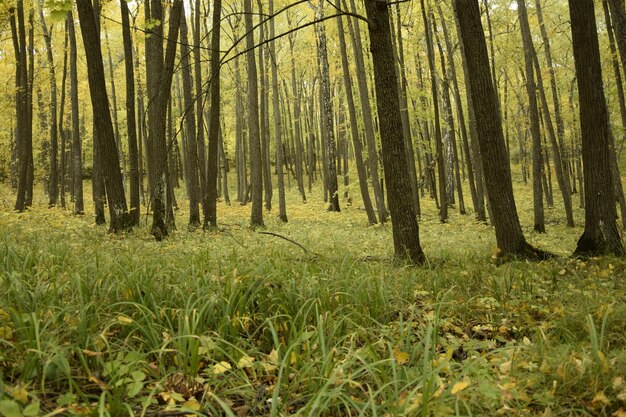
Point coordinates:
[(238, 323)]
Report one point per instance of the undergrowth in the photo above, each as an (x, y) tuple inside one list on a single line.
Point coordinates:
[(233, 322)]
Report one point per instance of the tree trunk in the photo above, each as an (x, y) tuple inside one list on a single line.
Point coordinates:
[(368, 122), (53, 189), (327, 113), (531, 90), (118, 211), (509, 235), (356, 140), (191, 154), (130, 116), (441, 167), (282, 207), (79, 207), (601, 234), (404, 222), (210, 219), (256, 168)]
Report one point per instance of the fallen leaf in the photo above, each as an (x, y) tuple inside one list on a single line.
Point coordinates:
[(460, 386), (245, 362), (400, 356), (124, 320), (221, 367)]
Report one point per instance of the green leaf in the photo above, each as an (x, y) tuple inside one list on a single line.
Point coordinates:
[(32, 409), (10, 408)]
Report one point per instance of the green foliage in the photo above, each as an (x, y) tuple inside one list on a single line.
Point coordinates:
[(237, 323)]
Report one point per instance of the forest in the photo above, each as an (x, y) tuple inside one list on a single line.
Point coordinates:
[(312, 208)]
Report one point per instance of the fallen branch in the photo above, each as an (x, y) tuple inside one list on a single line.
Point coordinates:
[(288, 240)]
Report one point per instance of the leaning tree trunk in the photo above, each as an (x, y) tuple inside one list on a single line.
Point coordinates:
[(509, 235), (256, 168), (441, 168), (118, 211), (601, 234), (404, 223), (531, 90), (356, 140)]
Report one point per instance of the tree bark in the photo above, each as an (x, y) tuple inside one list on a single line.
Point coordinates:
[(133, 153), (118, 211), (509, 235), (79, 207), (404, 222), (531, 90), (256, 168), (601, 234)]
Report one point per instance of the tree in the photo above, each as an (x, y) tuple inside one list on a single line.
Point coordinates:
[(282, 208), (509, 235), (601, 235), (256, 168), (159, 73), (210, 219), (531, 90), (404, 222), (133, 152), (118, 211), (53, 189), (79, 207)]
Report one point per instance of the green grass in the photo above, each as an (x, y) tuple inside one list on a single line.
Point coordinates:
[(238, 323)]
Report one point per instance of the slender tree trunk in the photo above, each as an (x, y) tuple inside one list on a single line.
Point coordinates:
[(131, 128), (118, 139), (192, 180), (79, 207), (214, 121), (256, 168), (62, 135), (356, 140), (368, 121), (297, 122), (327, 113), (531, 90), (601, 234), (53, 189), (282, 207), (443, 200)]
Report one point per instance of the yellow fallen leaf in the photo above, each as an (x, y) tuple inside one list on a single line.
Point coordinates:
[(91, 353), (19, 393), (191, 404), (124, 320), (221, 367), (600, 399), (273, 357), (400, 356), (245, 362), (460, 386), (619, 413)]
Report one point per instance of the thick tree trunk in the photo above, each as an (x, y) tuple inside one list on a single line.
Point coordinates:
[(601, 234), (404, 222), (509, 235), (118, 211)]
